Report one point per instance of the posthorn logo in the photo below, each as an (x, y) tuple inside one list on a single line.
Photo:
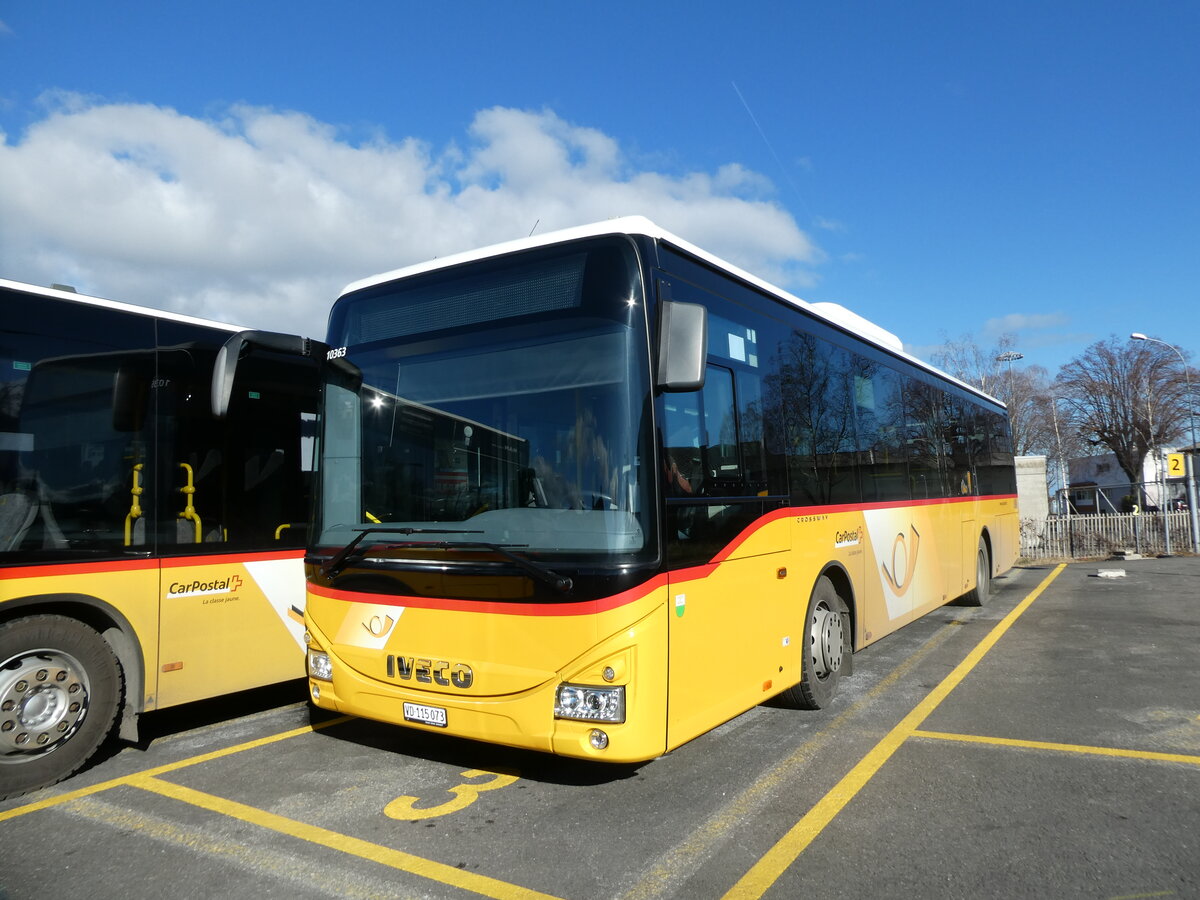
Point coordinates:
[(904, 562)]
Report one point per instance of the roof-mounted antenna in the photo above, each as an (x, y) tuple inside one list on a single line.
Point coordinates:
[(534, 228)]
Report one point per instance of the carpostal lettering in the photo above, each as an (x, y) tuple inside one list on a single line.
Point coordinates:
[(848, 538), (198, 588), (430, 671)]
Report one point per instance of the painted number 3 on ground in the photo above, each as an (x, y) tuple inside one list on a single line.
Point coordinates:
[(405, 808)]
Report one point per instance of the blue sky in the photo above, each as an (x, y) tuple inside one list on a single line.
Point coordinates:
[(942, 168)]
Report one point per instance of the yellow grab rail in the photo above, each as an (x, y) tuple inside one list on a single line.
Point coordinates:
[(135, 505), (189, 512)]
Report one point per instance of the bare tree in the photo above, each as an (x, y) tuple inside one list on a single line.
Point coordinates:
[(966, 360), (1058, 427), (1027, 393), (1128, 396)]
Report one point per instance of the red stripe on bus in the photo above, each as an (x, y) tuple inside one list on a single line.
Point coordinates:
[(583, 608), (225, 559), (790, 511), (52, 570), (78, 568)]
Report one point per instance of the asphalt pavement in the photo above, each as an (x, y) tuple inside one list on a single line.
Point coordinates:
[(1047, 745)]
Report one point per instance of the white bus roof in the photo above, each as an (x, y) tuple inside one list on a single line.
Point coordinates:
[(833, 313), (117, 305)]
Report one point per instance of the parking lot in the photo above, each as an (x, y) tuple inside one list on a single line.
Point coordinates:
[(1046, 745)]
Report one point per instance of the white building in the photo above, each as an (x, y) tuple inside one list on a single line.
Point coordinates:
[(1098, 484)]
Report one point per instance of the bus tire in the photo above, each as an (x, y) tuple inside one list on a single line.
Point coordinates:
[(824, 652), (60, 690), (982, 592)]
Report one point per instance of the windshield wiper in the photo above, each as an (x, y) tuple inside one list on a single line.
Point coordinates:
[(541, 572), (336, 562)]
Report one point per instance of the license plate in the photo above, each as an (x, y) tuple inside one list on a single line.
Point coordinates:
[(426, 715)]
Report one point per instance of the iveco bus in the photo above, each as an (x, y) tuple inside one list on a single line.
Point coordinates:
[(596, 492)]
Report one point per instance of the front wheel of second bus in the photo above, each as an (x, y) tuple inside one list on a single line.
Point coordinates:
[(60, 689)]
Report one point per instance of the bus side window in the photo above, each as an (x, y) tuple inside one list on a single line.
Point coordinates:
[(960, 437), (815, 395), (682, 436), (700, 442), (265, 503), (923, 436), (765, 472), (722, 472), (882, 450), (78, 462), (996, 473)]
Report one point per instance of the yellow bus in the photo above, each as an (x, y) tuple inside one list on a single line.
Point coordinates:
[(150, 554), (597, 492)]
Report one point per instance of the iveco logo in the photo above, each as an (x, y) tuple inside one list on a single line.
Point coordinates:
[(430, 671)]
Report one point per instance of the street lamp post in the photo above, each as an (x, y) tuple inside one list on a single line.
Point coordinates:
[(1064, 474), (1010, 356), (1191, 457), (1062, 460), (1018, 431)]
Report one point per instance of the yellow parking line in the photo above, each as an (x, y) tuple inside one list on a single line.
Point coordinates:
[(386, 856), (700, 843), (220, 847), (147, 780), (1061, 748), (774, 863), (169, 767)]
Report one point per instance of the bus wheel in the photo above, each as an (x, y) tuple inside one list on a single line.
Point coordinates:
[(60, 687), (982, 592), (824, 649)]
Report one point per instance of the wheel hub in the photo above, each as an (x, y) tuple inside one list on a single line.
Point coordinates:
[(43, 700), (827, 642)]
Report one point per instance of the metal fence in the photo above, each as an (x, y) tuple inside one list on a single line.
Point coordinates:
[(1092, 536)]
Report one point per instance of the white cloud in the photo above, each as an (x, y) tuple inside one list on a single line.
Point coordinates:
[(832, 225), (1016, 322), (261, 217)]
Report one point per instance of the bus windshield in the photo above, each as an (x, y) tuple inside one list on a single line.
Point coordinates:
[(505, 404)]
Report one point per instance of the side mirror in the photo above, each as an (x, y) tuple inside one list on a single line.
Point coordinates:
[(682, 346), (242, 343)]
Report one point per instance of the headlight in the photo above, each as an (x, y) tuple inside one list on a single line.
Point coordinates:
[(320, 666), (590, 704)]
